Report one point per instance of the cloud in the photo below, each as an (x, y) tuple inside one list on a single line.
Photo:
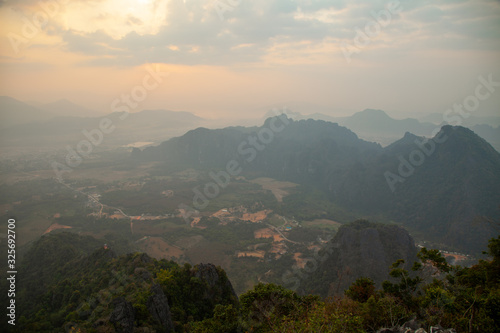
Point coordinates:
[(192, 32)]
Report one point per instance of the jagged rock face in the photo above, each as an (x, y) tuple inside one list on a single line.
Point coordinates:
[(361, 249), (207, 273), (122, 316), (371, 251), (211, 276), (158, 307)]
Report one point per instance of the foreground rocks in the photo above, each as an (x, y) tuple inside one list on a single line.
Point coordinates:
[(414, 326)]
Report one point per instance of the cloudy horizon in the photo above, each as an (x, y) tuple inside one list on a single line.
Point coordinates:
[(230, 58)]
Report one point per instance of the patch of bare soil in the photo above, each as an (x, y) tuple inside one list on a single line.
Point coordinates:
[(158, 248), (56, 226)]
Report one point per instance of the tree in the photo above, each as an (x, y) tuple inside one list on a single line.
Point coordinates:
[(361, 290)]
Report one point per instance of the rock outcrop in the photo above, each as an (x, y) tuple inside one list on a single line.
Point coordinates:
[(413, 326), (123, 316), (218, 284), (158, 307), (360, 249)]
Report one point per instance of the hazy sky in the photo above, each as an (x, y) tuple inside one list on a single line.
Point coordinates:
[(235, 58)]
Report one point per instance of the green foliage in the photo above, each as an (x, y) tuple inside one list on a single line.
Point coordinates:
[(435, 258), (201, 297), (383, 311), (361, 290), (406, 288), (322, 318), (225, 320), (467, 299)]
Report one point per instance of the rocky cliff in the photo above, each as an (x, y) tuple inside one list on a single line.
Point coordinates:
[(361, 249)]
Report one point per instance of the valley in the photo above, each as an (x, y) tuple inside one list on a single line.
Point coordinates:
[(242, 230), (257, 228)]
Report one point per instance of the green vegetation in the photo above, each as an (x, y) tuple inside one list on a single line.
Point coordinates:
[(467, 299), (308, 203), (67, 284)]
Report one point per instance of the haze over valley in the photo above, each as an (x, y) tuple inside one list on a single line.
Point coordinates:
[(237, 166)]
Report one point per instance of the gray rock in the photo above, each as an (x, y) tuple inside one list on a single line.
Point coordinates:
[(209, 274), (413, 324), (158, 307), (436, 329), (122, 316), (388, 330)]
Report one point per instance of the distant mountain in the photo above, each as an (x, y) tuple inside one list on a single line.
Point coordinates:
[(448, 195), (437, 119), (162, 119), (374, 125), (360, 249), (301, 149), (66, 108), (377, 122), (14, 112), (145, 126), (378, 126)]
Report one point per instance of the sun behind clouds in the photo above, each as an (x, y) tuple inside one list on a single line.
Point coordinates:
[(117, 18)]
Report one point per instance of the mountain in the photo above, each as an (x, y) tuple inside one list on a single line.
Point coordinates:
[(14, 112), (162, 119), (305, 149), (489, 133), (377, 122), (360, 249), (75, 281), (378, 126), (128, 128), (437, 119), (453, 196), (444, 190), (66, 108)]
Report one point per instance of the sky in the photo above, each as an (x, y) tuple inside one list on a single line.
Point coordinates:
[(239, 58)]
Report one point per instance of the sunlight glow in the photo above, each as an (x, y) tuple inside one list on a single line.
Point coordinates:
[(118, 17)]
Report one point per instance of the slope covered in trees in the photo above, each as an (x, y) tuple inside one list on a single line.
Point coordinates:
[(100, 292)]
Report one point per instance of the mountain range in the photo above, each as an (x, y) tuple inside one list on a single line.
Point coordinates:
[(444, 190), (24, 125), (378, 126), (52, 123)]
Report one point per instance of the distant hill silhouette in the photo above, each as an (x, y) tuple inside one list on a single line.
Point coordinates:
[(146, 125), (378, 126), (14, 112), (66, 108)]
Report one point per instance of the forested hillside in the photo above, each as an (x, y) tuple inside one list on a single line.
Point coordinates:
[(102, 292)]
